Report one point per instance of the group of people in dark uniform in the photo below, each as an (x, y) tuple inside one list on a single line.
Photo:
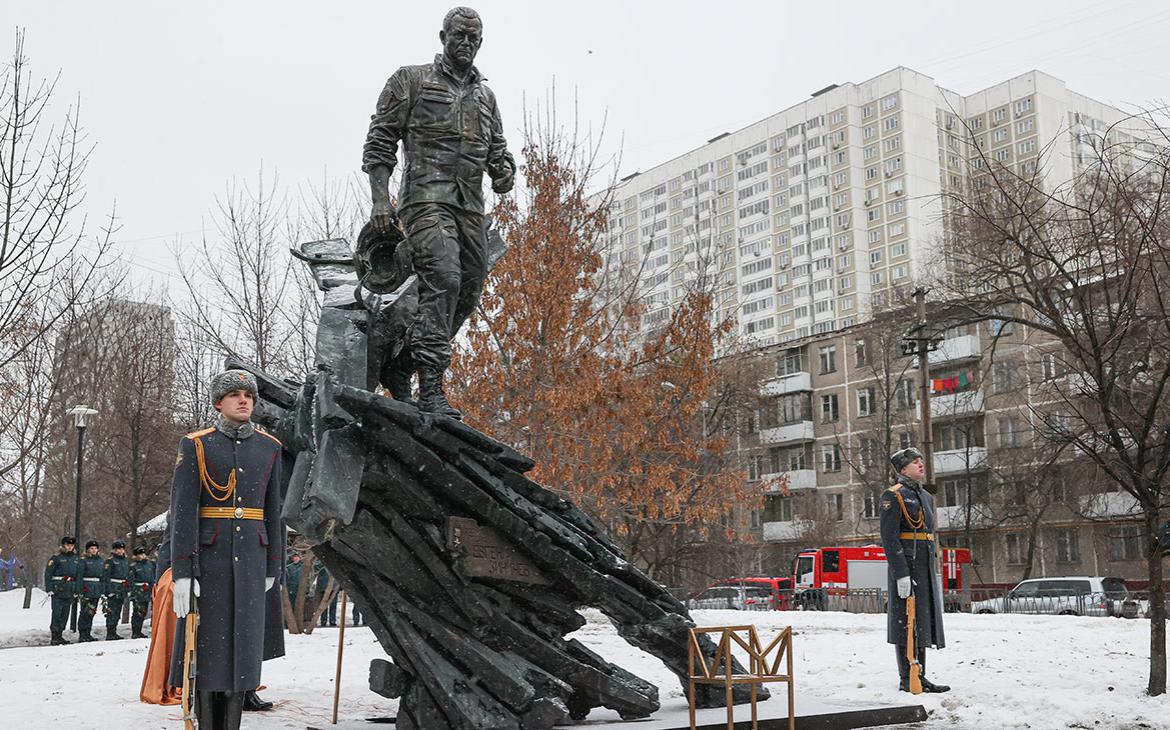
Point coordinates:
[(92, 582)]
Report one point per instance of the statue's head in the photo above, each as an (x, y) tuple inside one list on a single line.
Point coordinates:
[(461, 35)]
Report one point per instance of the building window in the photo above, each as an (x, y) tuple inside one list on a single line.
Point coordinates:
[(1003, 377), (873, 499), (828, 359), (866, 404), (1017, 547), (794, 407), (755, 467), (783, 509), (904, 394), (1068, 549), (1125, 543), (1053, 365), (860, 351), (837, 506), (831, 458), (1008, 435), (829, 411)]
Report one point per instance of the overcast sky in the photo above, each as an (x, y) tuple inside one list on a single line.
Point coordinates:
[(182, 99)]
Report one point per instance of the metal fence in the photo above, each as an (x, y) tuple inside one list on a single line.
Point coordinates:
[(1084, 604)]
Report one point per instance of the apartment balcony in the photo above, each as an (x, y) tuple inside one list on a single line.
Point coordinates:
[(797, 479), (958, 461), (955, 349), (786, 531), (791, 433), (967, 403), (785, 384)]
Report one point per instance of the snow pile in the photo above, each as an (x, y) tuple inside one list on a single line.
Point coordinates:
[(1035, 672)]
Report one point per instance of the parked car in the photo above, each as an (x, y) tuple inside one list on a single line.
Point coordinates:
[(1068, 596), (754, 593)]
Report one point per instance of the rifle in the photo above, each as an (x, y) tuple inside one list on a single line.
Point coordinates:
[(912, 644), (190, 670)]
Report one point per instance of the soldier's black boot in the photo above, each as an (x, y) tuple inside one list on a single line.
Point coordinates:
[(927, 685), (903, 667), (84, 636), (233, 708), (112, 634), (253, 702), (430, 394), (58, 640), (207, 710)]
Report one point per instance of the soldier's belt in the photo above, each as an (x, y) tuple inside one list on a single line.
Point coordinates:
[(143, 583), (916, 536), (95, 580), (230, 513)]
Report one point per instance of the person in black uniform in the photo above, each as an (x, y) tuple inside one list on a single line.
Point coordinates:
[(908, 537), (93, 589), (227, 547), (116, 579), (61, 576), (141, 586)]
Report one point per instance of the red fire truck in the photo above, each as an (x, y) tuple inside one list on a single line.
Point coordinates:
[(825, 577)]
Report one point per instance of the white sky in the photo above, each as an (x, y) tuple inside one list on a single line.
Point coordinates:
[(181, 99)]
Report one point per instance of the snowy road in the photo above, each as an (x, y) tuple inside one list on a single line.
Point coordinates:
[(1036, 672)]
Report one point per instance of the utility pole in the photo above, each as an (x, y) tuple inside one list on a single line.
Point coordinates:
[(920, 341), (79, 414)]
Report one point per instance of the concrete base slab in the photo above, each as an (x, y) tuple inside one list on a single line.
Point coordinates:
[(811, 714)]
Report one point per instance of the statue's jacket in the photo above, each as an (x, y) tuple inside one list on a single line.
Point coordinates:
[(225, 521)]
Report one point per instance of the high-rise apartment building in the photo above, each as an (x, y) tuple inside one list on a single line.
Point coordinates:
[(805, 216)]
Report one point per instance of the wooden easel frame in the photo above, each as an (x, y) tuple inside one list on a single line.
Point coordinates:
[(761, 666)]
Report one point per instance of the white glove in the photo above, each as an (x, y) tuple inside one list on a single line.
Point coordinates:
[(903, 587), (181, 598), (268, 583)]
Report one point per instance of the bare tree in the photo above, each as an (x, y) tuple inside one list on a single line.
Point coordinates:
[(241, 284), (1087, 264)]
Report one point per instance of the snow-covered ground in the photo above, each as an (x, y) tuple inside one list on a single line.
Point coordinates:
[(1036, 672)]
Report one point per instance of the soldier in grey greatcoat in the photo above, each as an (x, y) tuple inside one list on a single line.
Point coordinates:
[(449, 124), (908, 537), (226, 548)]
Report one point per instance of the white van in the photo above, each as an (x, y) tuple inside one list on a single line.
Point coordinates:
[(1068, 596)]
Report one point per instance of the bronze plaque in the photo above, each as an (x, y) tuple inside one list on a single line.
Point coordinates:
[(487, 555)]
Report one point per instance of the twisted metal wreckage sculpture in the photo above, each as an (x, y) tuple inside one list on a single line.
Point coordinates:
[(469, 573)]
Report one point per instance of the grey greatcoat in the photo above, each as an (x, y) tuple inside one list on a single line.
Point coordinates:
[(233, 555), (912, 557)]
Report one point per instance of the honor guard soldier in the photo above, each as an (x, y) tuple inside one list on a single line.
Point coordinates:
[(226, 549), (116, 576), (141, 586), (93, 590), (61, 577), (908, 537)]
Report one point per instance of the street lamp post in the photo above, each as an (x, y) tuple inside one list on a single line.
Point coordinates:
[(79, 414)]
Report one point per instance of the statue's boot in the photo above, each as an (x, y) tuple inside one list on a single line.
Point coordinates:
[(396, 375), (430, 394)]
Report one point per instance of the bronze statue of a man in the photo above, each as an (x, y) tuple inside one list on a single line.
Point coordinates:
[(451, 134)]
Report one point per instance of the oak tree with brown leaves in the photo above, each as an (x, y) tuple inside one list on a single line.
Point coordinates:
[(628, 424)]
